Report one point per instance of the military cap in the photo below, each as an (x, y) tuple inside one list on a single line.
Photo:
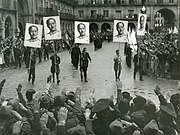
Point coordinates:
[(116, 126), (139, 101), (101, 105), (45, 99), (78, 130), (150, 127), (168, 109), (126, 95)]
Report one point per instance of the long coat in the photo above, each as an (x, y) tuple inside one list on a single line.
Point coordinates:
[(117, 63)]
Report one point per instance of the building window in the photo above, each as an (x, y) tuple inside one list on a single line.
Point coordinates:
[(93, 1), (93, 13), (130, 13), (118, 1), (159, 1), (118, 14), (81, 13), (106, 13), (171, 1)]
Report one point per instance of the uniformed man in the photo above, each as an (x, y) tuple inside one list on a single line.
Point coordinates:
[(128, 54), (117, 65), (84, 60), (31, 69), (138, 65), (75, 54), (55, 60)]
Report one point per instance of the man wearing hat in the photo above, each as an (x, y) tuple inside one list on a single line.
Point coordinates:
[(104, 115), (117, 65)]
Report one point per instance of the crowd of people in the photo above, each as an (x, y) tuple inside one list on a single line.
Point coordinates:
[(65, 114), (14, 53), (159, 53)]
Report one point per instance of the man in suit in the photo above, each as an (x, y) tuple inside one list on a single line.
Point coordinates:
[(120, 29), (141, 23)]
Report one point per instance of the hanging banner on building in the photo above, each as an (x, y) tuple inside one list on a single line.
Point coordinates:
[(33, 35), (82, 32), (52, 29), (120, 31), (141, 28)]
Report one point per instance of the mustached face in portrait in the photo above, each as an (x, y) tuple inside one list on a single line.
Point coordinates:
[(33, 32), (81, 32), (33, 35), (120, 31), (52, 28)]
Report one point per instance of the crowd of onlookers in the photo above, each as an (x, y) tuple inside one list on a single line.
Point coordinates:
[(14, 53), (160, 53), (65, 114)]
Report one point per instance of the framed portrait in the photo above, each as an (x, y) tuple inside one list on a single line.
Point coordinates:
[(82, 32), (120, 31), (52, 28), (33, 35), (141, 27)]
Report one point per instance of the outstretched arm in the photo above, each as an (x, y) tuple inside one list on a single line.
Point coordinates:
[(2, 85)]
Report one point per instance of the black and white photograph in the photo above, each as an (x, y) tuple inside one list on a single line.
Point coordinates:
[(52, 28), (33, 35), (141, 27), (120, 31), (94, 73), (81, 32)]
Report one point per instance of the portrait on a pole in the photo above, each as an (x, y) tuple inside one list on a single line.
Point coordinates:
[(52, 29), (120, 31), (82, 32), (33, 35), (141, 27)]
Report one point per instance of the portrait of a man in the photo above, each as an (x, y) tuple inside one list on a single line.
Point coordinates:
[(51, 24), (33, 35), (141, 24), (120, 31), (33, 32), (52, 27), (82, 32)]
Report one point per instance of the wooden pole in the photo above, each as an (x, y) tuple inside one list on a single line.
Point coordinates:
[(30, 61)]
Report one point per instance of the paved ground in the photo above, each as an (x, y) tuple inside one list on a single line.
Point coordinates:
[(100, 76)]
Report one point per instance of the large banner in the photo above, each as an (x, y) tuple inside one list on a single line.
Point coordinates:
[(141, 28), (33, 35), (52, 29), (82, 32), (120, 31)]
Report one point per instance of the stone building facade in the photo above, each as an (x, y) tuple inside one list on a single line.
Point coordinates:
[(101, 13), (8, 17)]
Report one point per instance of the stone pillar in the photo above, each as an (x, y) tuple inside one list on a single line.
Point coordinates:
[(176, 66)]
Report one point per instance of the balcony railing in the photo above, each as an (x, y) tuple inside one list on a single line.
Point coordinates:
[(133, 17), (50, 12)]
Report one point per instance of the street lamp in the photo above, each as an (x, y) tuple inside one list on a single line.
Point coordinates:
[(143, 10)]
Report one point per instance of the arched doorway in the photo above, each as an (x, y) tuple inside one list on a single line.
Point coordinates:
[(168, 16), (105, 27), (8, 27), (131, 26), (94, 27)]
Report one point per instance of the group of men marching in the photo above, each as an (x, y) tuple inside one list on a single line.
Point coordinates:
[(80, 57)]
